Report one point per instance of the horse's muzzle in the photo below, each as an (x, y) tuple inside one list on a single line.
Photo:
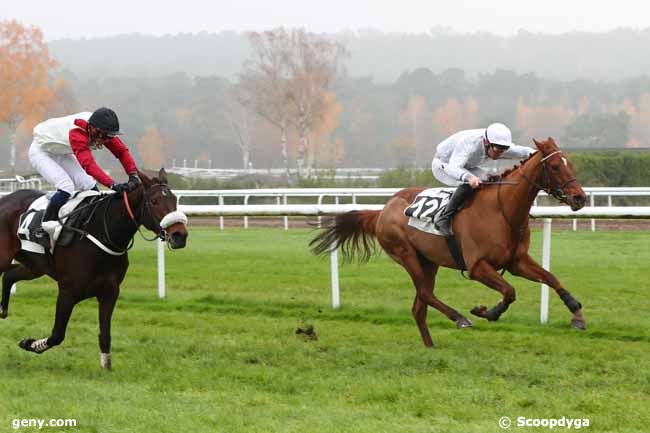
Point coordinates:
[(577, 201), (177, 240)]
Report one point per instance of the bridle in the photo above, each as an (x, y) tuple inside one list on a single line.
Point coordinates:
[(160, 225), (554, 190)]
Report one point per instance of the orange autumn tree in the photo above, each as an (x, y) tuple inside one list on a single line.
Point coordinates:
[(329, 150), (25, 65), (151, 146)]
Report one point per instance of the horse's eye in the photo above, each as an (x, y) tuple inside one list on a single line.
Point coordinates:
[(555, 168), (154, 202)]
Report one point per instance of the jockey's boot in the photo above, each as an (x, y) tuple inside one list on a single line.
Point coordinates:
[(443, 222), (50, 224)]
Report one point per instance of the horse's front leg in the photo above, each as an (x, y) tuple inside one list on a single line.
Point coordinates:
[(65, 302), (486, 274), (107, 300), (528, 268)]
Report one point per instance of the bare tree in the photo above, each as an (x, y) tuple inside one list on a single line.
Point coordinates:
[(314, 62), (265, 80), (240, 119), (285, 81)]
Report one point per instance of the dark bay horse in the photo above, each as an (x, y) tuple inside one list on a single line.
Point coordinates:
[(82, 269), (492, 231)]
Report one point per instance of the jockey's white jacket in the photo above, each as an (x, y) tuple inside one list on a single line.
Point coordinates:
[(53, 135), (465, 151)]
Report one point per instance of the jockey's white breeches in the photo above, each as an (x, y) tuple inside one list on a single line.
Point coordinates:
[(61, 171), (438, 170)]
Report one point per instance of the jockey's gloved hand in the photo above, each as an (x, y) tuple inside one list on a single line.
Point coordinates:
[(120, 187), (134, 181)]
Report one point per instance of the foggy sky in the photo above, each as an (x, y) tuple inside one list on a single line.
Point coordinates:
[(87, 19)]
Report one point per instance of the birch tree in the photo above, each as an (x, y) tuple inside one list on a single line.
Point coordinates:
[(265, 80), (285, 81)]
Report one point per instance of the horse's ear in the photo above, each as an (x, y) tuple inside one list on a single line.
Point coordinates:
[(146, 181), (162, 175), (537, 143)]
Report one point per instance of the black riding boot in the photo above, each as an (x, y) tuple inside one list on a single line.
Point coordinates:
[(443, 222), (51, 213)]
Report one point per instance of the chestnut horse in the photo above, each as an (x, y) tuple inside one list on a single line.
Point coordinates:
[(492, 232), (83, 269)]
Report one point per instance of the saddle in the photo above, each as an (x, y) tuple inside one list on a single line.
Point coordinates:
[(424, 210), (31, 220)]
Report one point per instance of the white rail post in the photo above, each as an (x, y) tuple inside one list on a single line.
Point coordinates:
[(320, 202), (593, 221), (546, 264), (246, 217), (286, 217), (221, 216), (161, 269), (334, 266)]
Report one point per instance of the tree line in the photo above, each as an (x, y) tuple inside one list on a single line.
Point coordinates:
[(292, 104)]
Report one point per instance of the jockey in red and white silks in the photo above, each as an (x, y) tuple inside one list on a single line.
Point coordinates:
[(62, 153), (458, 162)]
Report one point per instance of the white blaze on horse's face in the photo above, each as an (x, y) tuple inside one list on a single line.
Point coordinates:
[(566, 163)]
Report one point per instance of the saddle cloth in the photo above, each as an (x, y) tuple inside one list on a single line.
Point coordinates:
[(31, 220), (426, 207)]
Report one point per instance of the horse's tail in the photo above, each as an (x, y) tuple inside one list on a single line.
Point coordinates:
[(353, 232)]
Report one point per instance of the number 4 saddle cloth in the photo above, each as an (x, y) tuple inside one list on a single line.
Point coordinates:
[(426, 207)]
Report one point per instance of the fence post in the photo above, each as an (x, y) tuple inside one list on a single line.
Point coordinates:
[(546, 264), (334, 266), (161, 268)]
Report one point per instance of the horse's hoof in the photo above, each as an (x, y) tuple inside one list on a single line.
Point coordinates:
[(578, 324), (26, 344), (463, 323), (480, 311), (3, 313)]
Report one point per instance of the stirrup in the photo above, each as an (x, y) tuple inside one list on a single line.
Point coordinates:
[(42, 238)]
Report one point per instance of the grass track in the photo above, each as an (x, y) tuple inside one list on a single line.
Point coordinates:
[(220, 353)]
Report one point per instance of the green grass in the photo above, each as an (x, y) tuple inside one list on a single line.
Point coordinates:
[(220, 354)]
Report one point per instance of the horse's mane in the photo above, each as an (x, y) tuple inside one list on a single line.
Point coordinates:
[(506, 173)]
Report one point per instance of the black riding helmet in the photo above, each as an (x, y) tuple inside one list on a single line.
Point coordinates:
[(106, 120)]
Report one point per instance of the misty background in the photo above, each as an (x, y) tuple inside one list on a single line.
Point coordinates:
[(395, 97)]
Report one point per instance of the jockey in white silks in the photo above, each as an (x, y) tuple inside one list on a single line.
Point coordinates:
[(458, 162)]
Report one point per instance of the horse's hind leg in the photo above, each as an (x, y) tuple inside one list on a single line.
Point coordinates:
[(12, 276), (423, 273), (487, 275), (528, 268), (65, 302)]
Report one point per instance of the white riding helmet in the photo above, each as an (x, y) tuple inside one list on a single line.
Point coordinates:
[(498, 133)]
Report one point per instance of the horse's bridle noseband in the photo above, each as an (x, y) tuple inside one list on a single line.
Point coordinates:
[(160, 232), (557, 190)]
